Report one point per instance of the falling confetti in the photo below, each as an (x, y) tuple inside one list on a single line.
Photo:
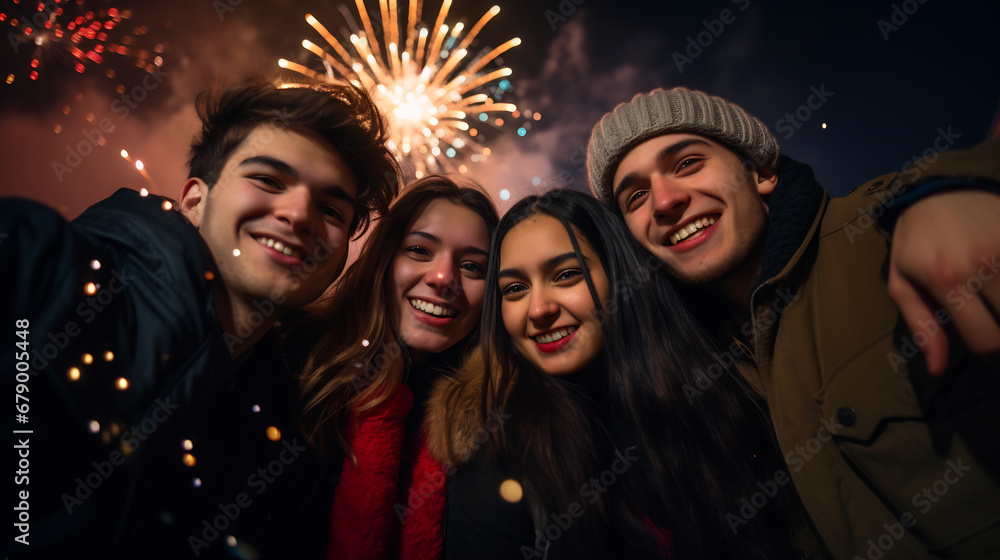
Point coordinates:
[(427, 81)]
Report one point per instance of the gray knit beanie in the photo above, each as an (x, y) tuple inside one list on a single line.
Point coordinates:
[(676, 110)]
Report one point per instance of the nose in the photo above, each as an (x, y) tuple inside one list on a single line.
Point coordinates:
[(441, 276), (542, 309), (295, 208), (669, 200)]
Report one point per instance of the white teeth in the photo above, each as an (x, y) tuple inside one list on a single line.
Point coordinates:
[(690, 229), (432, 309), (277, 246), (552, 337)]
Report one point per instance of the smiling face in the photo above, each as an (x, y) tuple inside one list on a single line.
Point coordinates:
[(547, 307), (438, 277), (277, 219), (690, 201)]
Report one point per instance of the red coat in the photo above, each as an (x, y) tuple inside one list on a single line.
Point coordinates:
[(368, 519)]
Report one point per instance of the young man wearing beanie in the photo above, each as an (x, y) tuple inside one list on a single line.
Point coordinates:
[(884, 412), (157, 417)]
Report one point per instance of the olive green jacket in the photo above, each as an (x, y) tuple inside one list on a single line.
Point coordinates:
[(889, 462)]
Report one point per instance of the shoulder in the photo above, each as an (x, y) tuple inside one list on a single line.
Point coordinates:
[(149, 226), (157, 249), (862, 206)]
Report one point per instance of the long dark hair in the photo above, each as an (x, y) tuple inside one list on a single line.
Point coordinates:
[(698, 456), (357, 360)]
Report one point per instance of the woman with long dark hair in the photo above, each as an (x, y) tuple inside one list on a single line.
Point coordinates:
[(590, 363), (404, 312)]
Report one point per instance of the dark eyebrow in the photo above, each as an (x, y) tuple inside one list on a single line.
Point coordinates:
[(334, 191), (435, 239), (660, 158), (425, 235), (550, 263), (273, 163)]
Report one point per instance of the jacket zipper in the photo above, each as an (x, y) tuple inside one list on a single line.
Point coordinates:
[(757, 354)]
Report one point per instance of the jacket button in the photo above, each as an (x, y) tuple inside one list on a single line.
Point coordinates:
[(875, 185), (846, 416)]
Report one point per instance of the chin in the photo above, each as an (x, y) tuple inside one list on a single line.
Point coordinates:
[(429, 346)]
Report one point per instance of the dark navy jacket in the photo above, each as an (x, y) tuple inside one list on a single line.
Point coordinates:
[(145, 440)]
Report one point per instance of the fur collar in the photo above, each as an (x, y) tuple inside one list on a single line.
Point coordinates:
[(454, 417)]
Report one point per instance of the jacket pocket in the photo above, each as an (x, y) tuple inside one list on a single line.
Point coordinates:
[(951, 502)]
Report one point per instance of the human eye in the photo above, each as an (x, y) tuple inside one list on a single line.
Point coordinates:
[(513, 290), (473, 269), (333, 213), (635, 199), (418, 252), (568, 275), (267, 182), (689, 164)]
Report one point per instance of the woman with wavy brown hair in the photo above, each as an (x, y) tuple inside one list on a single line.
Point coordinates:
[(405, 311)]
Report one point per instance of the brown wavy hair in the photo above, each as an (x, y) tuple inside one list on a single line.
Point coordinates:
[(344, 373)]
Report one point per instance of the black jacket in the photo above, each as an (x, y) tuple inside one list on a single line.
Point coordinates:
[(136, 420)]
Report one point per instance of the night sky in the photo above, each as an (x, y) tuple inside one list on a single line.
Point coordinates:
[(931, 69)]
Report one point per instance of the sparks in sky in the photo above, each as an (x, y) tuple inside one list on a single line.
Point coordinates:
[(426, 81), (64, 32)]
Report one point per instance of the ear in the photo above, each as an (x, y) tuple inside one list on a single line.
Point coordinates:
[(194, 196), (765, 179)]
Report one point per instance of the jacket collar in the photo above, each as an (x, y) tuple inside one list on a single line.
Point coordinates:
[(793, 211), (454, 413)]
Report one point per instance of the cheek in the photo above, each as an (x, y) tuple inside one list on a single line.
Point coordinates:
[(336, 243), (636, 225), (513, 319), (474, 292), (397, 277)]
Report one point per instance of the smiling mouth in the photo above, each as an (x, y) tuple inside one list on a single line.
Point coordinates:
[(433, 309), (554, 336), (692, 229), (278, 246)]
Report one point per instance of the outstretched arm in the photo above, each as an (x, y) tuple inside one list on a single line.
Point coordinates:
[(946, 254)]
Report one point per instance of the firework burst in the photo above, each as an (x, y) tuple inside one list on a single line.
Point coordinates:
[(65, 33), (426, 80)]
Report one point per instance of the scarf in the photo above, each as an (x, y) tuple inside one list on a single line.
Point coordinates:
[(368, 520)]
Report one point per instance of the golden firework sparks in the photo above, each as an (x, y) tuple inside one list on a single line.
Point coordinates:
[(425, 80)]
